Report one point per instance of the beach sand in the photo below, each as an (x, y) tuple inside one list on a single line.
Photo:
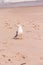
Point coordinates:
[(29, 50)]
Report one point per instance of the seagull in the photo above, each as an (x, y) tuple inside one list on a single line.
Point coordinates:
[(19, 32)]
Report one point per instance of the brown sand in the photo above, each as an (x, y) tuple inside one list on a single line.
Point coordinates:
[(29, 50)]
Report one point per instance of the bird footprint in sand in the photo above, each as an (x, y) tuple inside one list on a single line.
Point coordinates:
[(41, 58), (36, 26), (23, 64), (19, 56), (8, 25), (4, 55)]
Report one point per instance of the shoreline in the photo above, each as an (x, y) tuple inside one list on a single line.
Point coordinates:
[(21, 4)]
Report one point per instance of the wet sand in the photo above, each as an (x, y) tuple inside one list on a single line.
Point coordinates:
[(29, 50)]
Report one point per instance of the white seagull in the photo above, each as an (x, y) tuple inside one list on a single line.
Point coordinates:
[(19, 32)]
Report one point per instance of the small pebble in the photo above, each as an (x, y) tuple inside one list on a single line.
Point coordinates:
[(9, 59), (23, 57)]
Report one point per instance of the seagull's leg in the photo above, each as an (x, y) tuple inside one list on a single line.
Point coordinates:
[(16, 35)]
